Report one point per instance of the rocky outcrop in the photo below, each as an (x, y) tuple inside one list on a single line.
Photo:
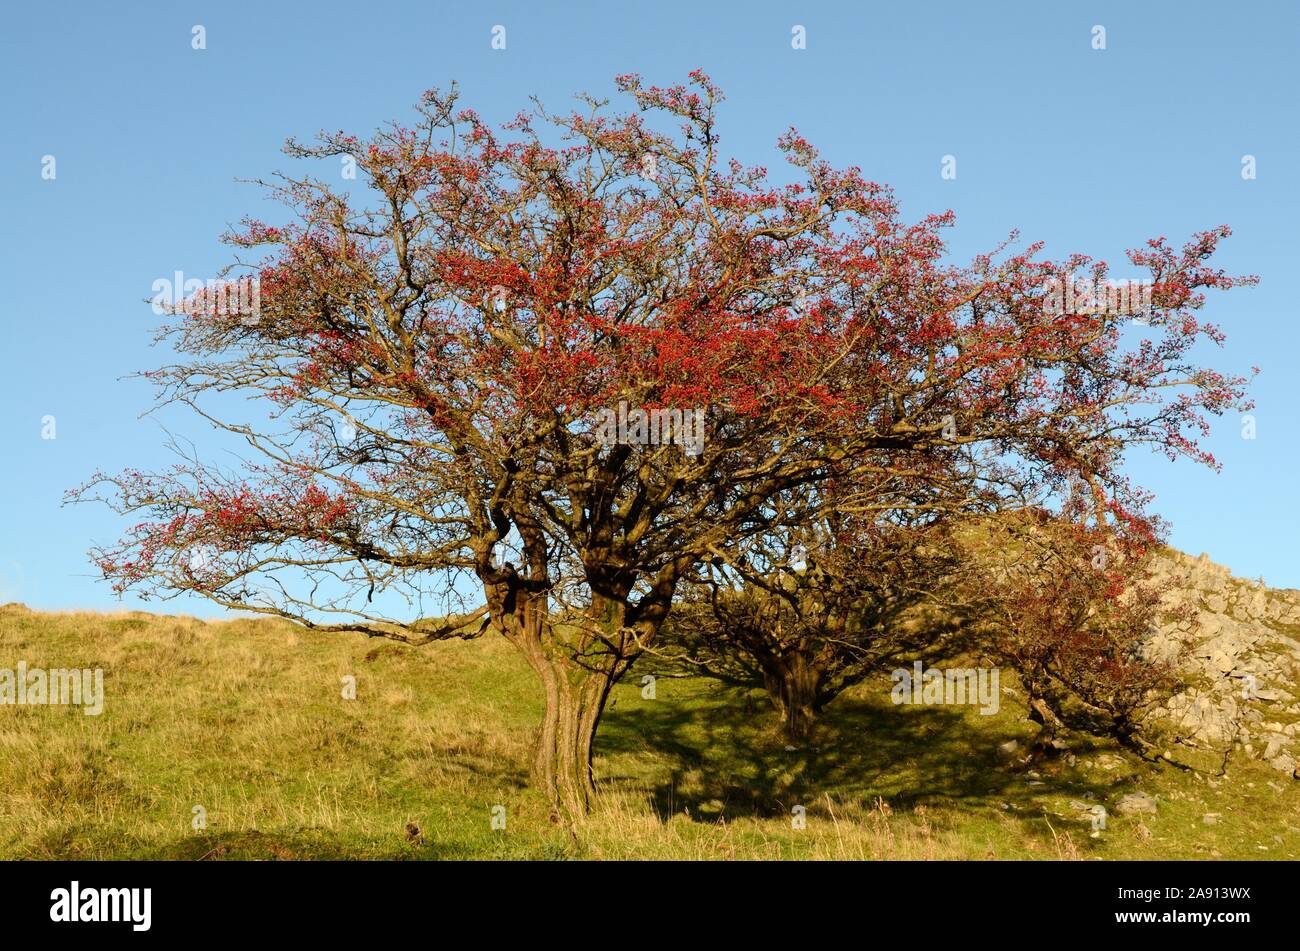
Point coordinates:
[(1240, 661)]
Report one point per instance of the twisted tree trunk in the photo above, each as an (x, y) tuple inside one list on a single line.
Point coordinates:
[(792, 683), (562, 751), (578, 664)]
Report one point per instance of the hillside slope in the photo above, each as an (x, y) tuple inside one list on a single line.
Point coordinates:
[(234, 740)]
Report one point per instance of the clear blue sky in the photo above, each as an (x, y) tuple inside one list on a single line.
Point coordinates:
[(1088, 150)]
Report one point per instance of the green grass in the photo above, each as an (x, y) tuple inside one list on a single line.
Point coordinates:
[(246, 720)]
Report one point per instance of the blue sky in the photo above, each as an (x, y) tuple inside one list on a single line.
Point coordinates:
[(1089, 150)]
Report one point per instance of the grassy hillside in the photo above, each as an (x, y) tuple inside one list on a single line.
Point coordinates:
[(246, 720)]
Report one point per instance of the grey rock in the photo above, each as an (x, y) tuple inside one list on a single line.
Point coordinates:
[(1283, 763), (1237, 660), (1137, 803)]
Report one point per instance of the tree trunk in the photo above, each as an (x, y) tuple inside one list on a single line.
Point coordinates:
[(575, 699), (577, 672), (792, 684), (1051, 727)]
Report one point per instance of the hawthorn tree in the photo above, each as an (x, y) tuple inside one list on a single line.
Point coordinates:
[(1071, 608), (473, 305), (840, 577), (807, 625)]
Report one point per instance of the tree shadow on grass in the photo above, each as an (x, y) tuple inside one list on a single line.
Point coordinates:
[(724, 759)]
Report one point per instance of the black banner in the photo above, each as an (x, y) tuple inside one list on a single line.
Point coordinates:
[(340, 900)]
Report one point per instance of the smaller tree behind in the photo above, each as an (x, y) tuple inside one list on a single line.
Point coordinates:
[(1072, 608), (809, 617)]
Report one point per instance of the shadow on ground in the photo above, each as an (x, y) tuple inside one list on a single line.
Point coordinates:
[(721, 757)]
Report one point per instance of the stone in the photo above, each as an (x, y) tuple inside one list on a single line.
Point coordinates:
[(1284, 763), (1137, 803)]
